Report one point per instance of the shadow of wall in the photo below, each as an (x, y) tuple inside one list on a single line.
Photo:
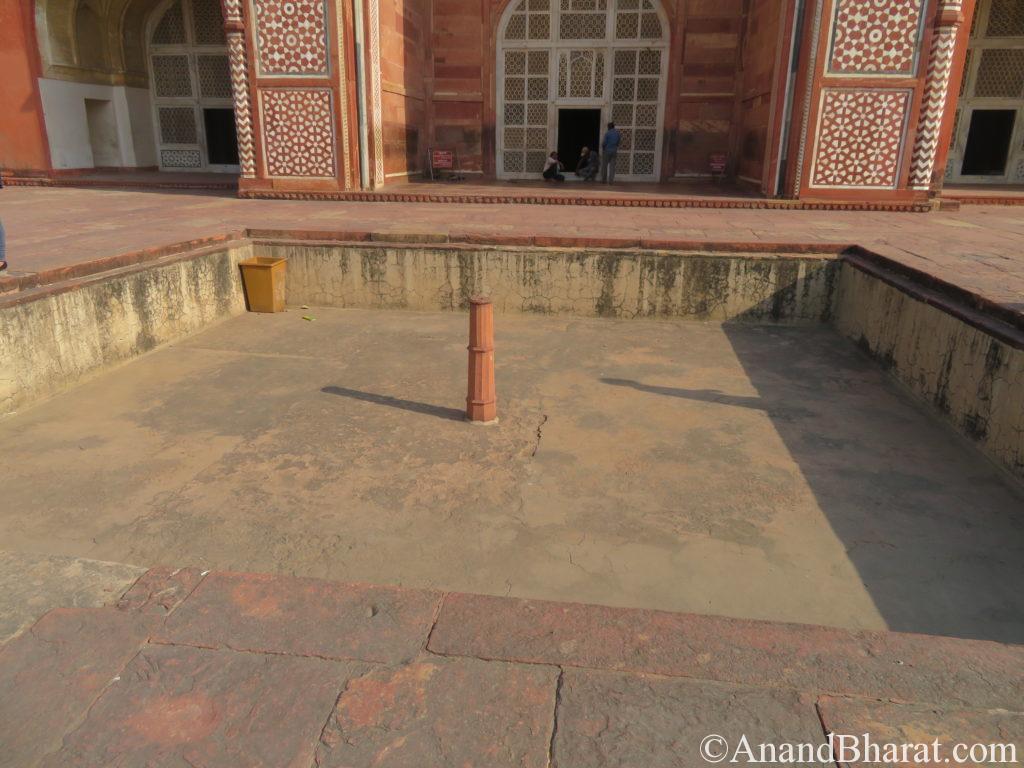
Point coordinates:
[(879, 424)]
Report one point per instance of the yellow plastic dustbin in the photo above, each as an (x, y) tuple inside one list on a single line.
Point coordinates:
[(263, 278)]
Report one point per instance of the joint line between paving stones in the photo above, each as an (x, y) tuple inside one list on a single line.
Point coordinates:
[(75, 723), (524, 662), (562, 665), (225, 646), (821, 720), (433, 621)]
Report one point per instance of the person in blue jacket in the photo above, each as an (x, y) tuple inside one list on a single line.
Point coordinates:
[(609, 150)]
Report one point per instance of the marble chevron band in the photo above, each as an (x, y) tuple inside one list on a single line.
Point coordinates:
[(940, 65), (243, 110)]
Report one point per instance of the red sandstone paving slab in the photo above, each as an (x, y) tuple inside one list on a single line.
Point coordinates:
[(304, 617), (443, 712), (913, 724), (189, 706), (811, 658), (160, 590), (614, 720), (51, 674)]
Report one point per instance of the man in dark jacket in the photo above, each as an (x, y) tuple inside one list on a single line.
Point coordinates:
[(609, 151)]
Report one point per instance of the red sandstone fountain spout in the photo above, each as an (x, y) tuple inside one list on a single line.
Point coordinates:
[(481, 406)]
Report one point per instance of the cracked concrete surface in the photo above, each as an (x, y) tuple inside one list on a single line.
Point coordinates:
[(742, 470)]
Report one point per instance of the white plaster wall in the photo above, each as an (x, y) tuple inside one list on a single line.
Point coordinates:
[(68, 130), (140, 113)]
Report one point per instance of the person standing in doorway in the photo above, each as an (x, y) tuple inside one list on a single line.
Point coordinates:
[(609, 151)]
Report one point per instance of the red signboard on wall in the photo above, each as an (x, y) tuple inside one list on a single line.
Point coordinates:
[(717, 163), (442, 158)]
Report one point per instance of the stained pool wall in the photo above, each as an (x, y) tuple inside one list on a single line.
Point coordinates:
[(969, 374), (571, 281), (52, 338)]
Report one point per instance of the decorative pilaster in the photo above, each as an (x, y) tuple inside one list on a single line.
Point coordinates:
[(933, 105), (234, 30), (346, 166), (809, 91), (376, 95)]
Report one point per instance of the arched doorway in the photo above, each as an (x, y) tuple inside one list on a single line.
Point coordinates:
[(567, 67), (190, 83)]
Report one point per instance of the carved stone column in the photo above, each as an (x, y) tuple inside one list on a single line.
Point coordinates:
[(234, 30), (933, 105)]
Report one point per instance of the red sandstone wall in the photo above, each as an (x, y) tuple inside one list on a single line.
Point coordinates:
[(404, 63), (461, 35), (23, 145), (760, 49), (708, 82)]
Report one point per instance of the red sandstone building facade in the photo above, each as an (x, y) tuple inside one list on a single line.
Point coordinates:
[(877, 100)]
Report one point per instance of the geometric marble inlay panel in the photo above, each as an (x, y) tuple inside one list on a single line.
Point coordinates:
[(291, 37), (298, 131), (860, 137), (875, 36)]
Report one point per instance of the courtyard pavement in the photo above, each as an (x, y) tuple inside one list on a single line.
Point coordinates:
[(797, 483), (224, 670), (977, 248)]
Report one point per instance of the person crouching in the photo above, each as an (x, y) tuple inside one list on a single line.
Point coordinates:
[(588, 165), (553, 168)]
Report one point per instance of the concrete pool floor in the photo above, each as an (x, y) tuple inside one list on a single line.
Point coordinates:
[(747, 471)]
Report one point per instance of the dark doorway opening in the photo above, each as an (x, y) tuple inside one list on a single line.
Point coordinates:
[(577, 128), (221, 140), (988, 142)]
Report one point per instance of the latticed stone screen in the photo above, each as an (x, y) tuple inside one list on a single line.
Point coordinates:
[(1000, 73), (531, 20), (181, 158), (177, 125), (635, 90), (556, 52), (189, 71), (207, 22), (170, 30), (214, 76), (581, 74), (1005, 19), (526, 94), (636, 20), (993, 80), (583, 19), (172, 76)]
